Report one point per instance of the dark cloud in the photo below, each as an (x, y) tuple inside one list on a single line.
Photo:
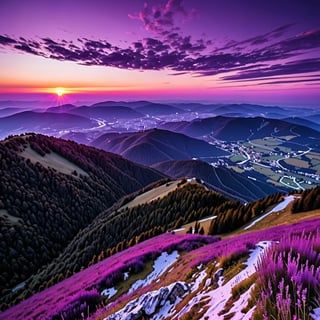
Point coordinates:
[(304, 77), (290, 81), (304, 41), (296, 67), (25, 48), (6, 40), (160, 18)]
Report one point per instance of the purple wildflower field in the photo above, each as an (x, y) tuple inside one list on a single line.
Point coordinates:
[(77, 294), (241, 243), (69, 298), (232, 245)]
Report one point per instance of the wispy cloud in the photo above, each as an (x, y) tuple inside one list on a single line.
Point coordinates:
[(296, 67), (290, 81)]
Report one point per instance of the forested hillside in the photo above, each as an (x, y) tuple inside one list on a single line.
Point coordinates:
[(50, 189), (153, 146), (117, 229), (123, 226), (309, 200)]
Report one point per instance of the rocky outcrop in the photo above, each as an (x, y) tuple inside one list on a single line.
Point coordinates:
[(152, 303)]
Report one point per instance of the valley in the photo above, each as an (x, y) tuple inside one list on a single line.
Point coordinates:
[(273, 145), (168, 221)]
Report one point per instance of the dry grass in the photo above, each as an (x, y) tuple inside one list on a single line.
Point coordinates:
[(53, 160), (197, 310), (297, 162), (313, 155), (205, 224), (236, 169), (268, 142), (276, 183), (283, 217), (125, 285), (154, 194), (287, 138), (232, 271)]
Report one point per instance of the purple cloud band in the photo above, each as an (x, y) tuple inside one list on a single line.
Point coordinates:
[(255, 58)]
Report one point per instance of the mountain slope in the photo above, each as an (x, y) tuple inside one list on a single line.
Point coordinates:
[(50, 189), (130, 222), (303, 122), (223, 180), (234, 129), (158, 109), (27, 121), (212, 281), (155, 145), (123, 226), (106, 112)]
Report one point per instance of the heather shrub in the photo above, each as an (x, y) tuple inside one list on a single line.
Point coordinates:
[(288, 283), (111, 279), (80, 307), (136, 265)]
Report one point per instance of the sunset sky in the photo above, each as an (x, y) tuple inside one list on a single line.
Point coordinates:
[(210, 50)]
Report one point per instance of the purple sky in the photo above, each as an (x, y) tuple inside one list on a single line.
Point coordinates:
[(231, 50)]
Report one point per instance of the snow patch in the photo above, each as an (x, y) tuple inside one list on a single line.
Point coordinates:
[(160, 265), (315, 314), (110, 292), (240, 304), (177, 230), (207, 219), (282, 205), (198, 280), (219, 296)]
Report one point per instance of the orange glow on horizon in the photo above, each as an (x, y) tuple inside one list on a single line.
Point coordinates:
[(60, 91)]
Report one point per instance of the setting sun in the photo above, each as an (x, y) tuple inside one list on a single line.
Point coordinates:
[(60, 91)]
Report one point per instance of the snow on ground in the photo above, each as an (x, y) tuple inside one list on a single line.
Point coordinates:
[(110, 292), (221, 295), (207, 219), (315, 314), (202, 220), (282, 205), (160, 265), (218, 297), (240, 304), (177, 230), (198, 279)]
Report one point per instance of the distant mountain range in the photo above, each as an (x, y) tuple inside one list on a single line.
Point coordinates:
[(240, 128), (100, 112), (120, 116), (156, 145), (42, 122)]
